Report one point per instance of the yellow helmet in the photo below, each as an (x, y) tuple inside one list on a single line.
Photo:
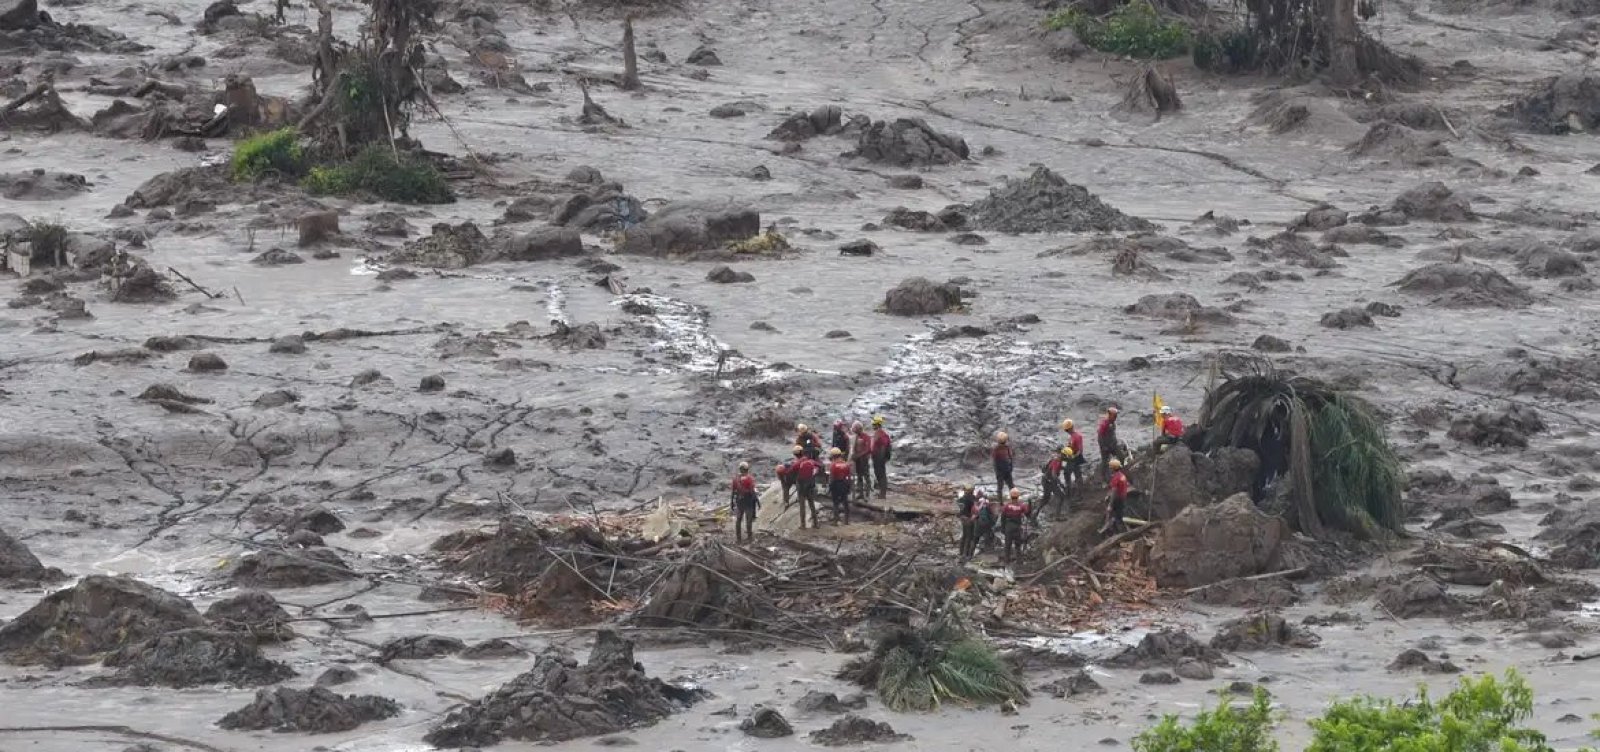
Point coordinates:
[(1002, 437), (799, 449), (877, 420), (802, 428), (1066, 425), (967, 487), (1115, 464), (836, 452), (1066, 452)]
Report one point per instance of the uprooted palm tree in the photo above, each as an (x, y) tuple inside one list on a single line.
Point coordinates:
[(365, 91), (1327, 444), (918, 669)]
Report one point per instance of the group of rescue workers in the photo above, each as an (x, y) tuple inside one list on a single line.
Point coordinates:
[(857, 462)]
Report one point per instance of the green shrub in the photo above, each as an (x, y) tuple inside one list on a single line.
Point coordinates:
[(47, 241), (1480, 715), (1223, 729), (276, 151), (919, 669), (1136, 30), (375, 170)]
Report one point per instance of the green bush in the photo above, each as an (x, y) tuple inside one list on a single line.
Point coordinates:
[(1136, 30), (276, 151), (1480, 715), (376, 170), (47, 241), (1223, 729)]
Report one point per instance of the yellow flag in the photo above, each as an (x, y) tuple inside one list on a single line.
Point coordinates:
[(1157, 404)]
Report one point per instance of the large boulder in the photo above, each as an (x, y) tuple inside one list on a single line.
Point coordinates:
[(919, 297), (98, 615), (1569, 103), (686, 230), (909, 142), (18, 565), (1206, 544), (283, 569), (542, 244), (1433, 201), (1185, 478)]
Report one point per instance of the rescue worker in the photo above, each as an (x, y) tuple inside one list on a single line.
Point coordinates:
[(967, 513), (808, 441), (745, 503), (1072, 468), (841, 437), (882, 452), (1003, 463), (806, 471), (785, 472), (988, 515), (1116, 499), (1106, 437), (1053, 482), (839, 484), (861, 454), (1171, 429), (1012, 515)]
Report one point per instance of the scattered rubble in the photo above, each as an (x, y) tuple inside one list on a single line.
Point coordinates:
[(1418, 596), (1262, 630), (252, 613), (1508, 427), (1413, 659)]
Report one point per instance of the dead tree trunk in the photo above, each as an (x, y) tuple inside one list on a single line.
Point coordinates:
[(1344, 67), (630, 59)]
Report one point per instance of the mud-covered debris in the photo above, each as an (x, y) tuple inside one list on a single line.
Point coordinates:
[(1396, 143), (277, 257), (1075, 684), (759, 172), (914, 220), (1543, 262), (1262, 630), (1207, 544), (291, 344), (584, 336), (918, 296), (1347, 318), (124, 356), (99, 614), (685, 229), (703, 55), (603, 208), (313, 519), (1272, 592), (1179, 306), (419, 647), (1434, 201), (315, 711), (1361, 235), (826, 120), (1194, 670), (336, 676), (253, 613), (854, 730), (861, 247), (433, 382), (1574, 538), (143, 285), (283, 569), (815, 703), (1323, 217), (387, 224), (194, 657), (909, 142), (1166, 648), (736, 109), (172, 344), (1507, 427), (766, 723), (207, 362), (170, 393), (1465, 285), (1569, 103), (1158, 678), (20, 568), (393, 275), (41, 185), (1046, 202), (725, 274), (446, 247), (1270, 344), (543, 244), (559, 700), (317, 226), (368, 377), (1474, 566), (276, 398), (1412, 659), (1417, 596), (493, 649)]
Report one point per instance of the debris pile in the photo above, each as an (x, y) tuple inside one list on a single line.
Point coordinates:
[(194, 657), (909, 142), (1046, 202), (314, 711), (98, 615)]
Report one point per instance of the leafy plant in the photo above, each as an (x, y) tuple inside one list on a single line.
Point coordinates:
[(276, 151), (376, 170), (1222, 729), (1480, 715), (918, 669), (47, 241), (1136, 30)]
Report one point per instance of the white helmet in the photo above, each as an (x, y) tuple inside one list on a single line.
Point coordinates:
[(1165, 410)]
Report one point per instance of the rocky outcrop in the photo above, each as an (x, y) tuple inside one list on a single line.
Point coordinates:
[(1209, 544)]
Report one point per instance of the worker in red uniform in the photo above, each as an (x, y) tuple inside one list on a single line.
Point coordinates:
[(1072, 468), (841, 437), (988, 520), (785, 472), (1012, 515), (1053, 482), (1106, 437), (1116, 498), (1171, 429), (806, 471), (967, 513), (808, 441), (745, 503), (839, 484), (861, 454), (1003, 464), (882, 451)]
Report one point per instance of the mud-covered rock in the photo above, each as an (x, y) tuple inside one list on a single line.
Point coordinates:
[(1417, 596), (1269, 344), (99, 614), (816, 703), (1322, 218), (918, 296), (1541, 261), (914, 220), (283, 569), (1398, 144), (687, 229), (826, 120), (1569, 103), (1075, 684), (387, 224), (1206, 544), (1178, 306), (1412, 659), (336, 676), (1347, 318), (1574, 538), (1465, 285), (724, 274), (1158, 678), (1507, 427), (559, 700), (207, 363), (291, 344), (855, 730), (315, 711), (584, 336), (1262, 630), (703, 55), (254, 614), (1433, 201), (41, 185), (1272, 592), (420, 647), (543, 244), (446, 247), (861, 247), (276, 398), (1046, 202), (1166, 648), (909, 142), (433, 382), (19, 567), (313, 519), (317, 226), (194, 657), (766, 723), (492, 649)]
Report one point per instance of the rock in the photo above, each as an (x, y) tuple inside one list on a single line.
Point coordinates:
[(735, 109), (501, 458), (292, 344), (20, 568), (315, 710), (207, 362), (908, 142), (766, 723), (861, 247), (446, 247), (815, 702), (1417, 596), (1206, 544), (419, 647), (854, 730), (968, 238), (1433, 201), (316, 227), (1387, 310), (906, 182), (726, 275), (387, 224), (41, 185), (1178, 306), (704, 56), (1262, 630), (1508, 427), (314, 519), (252, 613), (367, 377), (1046, 202), (1465, 285), (1270, 344), (276, 398), (278, 569), (1347, 318), (172, 344), (543, 244), (1077, 683), (560, 700), (1413, 659), (1544, 262), (493, 649), (192, 658), (1167, 647), (1574, 539), (303, 539), (99, 614), (825, 120), (431, 383), (676, 230), (337, 675), (1569, 103), (1273, 592), (919, 297), (759, 172), (1157, 677), (1323, 218)]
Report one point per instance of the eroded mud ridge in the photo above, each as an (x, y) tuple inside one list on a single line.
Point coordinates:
[(285, 464)]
